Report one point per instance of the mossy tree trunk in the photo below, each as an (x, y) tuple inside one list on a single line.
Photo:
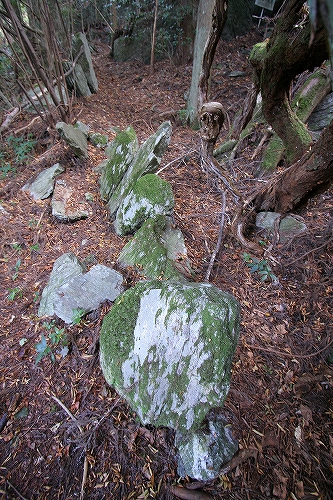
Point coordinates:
[(277, 62), (285, 191)]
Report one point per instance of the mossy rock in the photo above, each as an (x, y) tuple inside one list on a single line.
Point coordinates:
[(120, 154), (150, 196), (167, 348), (157, 251), (146, 161)]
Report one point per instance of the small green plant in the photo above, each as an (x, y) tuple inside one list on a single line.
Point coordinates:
[(259, 266), (14, 293), (34, 248), (54, 342), (21, 147), (15, 152), (78, 315), (16, 269)]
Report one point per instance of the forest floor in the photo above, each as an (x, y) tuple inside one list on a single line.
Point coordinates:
[(65, 433)]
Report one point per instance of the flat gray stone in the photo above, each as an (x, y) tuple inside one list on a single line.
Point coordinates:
[(42, 187), (86, 61), (65, 267), (289, 227), (85, 292)]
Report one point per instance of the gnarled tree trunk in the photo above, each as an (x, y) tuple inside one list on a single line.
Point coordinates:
[(277, 62)]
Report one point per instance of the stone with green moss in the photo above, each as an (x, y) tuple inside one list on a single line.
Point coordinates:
[(157, 251), (167, 348), (146, 161), (120, 154), (98, 140), (150, 196)]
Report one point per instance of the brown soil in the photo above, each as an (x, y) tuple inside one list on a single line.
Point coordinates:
[(66, 434)]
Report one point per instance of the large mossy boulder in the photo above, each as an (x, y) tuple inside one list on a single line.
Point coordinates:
[(120, 154), (167, 348), (157, 251), (150, 196), (146, 161)]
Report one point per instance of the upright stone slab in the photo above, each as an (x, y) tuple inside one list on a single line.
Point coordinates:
[(146, 161), (167, 349), (120, 154), (42, 187), (86, 61), (151, 196), (75, 138), (157, 251), (65, 267)]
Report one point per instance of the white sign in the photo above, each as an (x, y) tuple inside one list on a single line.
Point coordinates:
[(265, 4)]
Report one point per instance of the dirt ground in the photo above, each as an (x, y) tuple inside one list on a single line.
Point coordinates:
[(65, 433)]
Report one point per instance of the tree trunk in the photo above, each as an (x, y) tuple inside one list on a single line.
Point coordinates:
[(277, 62), (212, 15), (285, 191), (152, 53)]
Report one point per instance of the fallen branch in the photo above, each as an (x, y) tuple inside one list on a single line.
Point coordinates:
[(9, 118), (187, 494), (219, 240)]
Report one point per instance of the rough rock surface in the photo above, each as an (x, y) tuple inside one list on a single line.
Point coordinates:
[(146, 161), (65, 267), (62, 208), (167, 349), (157, 251), (85, 292), (75, 138), (120, 154), (86, 61), (203, 452), (288, 227), (149, 197), (42, 187), (71, 290)]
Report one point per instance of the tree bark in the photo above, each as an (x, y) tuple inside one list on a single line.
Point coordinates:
[(211, 17), (286, 190), (277, 62)]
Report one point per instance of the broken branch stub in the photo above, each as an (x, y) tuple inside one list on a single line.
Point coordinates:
[(211, 121)]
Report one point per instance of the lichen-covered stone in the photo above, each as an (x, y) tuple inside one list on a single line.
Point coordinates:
[(98, 140), (150, 196), (146, 161), (203, 451), (167, 348), (120, 154), (157, 251)]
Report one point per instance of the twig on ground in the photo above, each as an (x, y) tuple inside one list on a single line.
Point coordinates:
[(67, 411), (175, 160), (187, 494), (16, 491), (310, 251), (290, 355), (219, 240)]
